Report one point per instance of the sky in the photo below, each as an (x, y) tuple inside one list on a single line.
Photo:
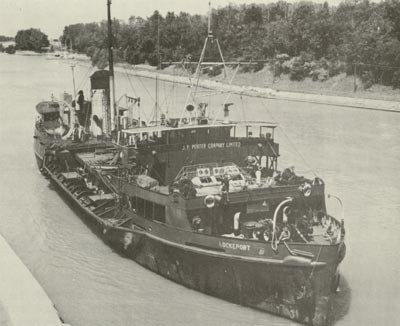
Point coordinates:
[(50, 16)]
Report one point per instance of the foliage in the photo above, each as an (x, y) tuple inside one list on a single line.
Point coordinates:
[(31, 39), (396, 79), (302, 39), (213, 71), (4, 38), (10, 49)]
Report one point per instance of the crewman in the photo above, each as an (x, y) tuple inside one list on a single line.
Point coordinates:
[(79, 108)]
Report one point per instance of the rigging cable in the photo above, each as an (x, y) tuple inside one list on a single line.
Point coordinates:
[(290, 141), (285, 134), (85, 78), (145, 88), (130, 82), (243, 110)]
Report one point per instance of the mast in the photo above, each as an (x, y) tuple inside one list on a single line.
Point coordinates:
[(209, 33), (210, 38), (158, 63), (73, 79), (114, 115)]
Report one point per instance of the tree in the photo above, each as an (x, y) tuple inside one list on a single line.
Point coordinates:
[(10, 49), (31, 39), (6, 38), (318, 37), (301, 22), (322, 34)]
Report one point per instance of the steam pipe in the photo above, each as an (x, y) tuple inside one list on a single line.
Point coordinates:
[(340, 202)]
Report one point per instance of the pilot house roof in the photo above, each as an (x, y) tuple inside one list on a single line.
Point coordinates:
[(46, 107), (159, 128)]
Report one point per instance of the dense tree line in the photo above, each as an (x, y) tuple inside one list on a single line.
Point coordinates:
[(304, 39), (4, 38), (31, 39)]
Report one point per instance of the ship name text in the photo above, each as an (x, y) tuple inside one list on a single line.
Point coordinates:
[(211, 145), (235, 246)]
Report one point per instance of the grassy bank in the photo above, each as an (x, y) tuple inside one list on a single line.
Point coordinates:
[(338, 90), (339, 85)]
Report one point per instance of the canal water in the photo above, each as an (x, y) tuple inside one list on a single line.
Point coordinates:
[(356, 152)]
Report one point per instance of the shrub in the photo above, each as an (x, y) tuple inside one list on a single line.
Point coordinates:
[(319, 74), (367, 78), (276, 68), (336, 68), (100, 58), (10, 49), (258, 66), (214, 71), (90, 51), (245, 68), (297, 72), (396, 79), (282, 57)]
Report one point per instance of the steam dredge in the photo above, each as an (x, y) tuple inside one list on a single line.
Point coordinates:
[(198, 200)]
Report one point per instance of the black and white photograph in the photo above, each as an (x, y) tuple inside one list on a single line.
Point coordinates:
[(202, 163)]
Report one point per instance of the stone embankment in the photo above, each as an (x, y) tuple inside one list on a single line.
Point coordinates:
[(22, 299)]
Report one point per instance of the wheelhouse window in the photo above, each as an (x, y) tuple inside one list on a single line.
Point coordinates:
[(148, 209), (159, 213), (50, 116)]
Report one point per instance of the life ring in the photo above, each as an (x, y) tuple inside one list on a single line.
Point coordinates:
[(267, 235), (306, 189), (250, 160), (184, 121), (317, 181), (256, 234), (196, 224), (209, 201), (127, 240)]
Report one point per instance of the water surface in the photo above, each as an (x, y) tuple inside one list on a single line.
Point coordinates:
[(357, 153)]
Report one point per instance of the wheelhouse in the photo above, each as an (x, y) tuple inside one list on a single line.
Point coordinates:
[(170, 148)]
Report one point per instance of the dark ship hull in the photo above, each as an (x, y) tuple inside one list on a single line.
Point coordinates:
[(39, 149), (295, 289), (195, 199), (244, 272)]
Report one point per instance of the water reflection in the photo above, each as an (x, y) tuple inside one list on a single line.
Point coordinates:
[(341, 302)]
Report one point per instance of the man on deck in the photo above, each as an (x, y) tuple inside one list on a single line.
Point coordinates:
[(79, 108)]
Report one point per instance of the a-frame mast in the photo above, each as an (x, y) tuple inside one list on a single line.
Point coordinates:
[(210, 37)]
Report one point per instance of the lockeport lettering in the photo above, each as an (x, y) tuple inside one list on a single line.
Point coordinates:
[(234, 246)]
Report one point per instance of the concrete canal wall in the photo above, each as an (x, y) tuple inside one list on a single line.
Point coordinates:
[(22, 299)]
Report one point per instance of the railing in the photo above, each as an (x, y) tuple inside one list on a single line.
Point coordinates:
[(191, 170)]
